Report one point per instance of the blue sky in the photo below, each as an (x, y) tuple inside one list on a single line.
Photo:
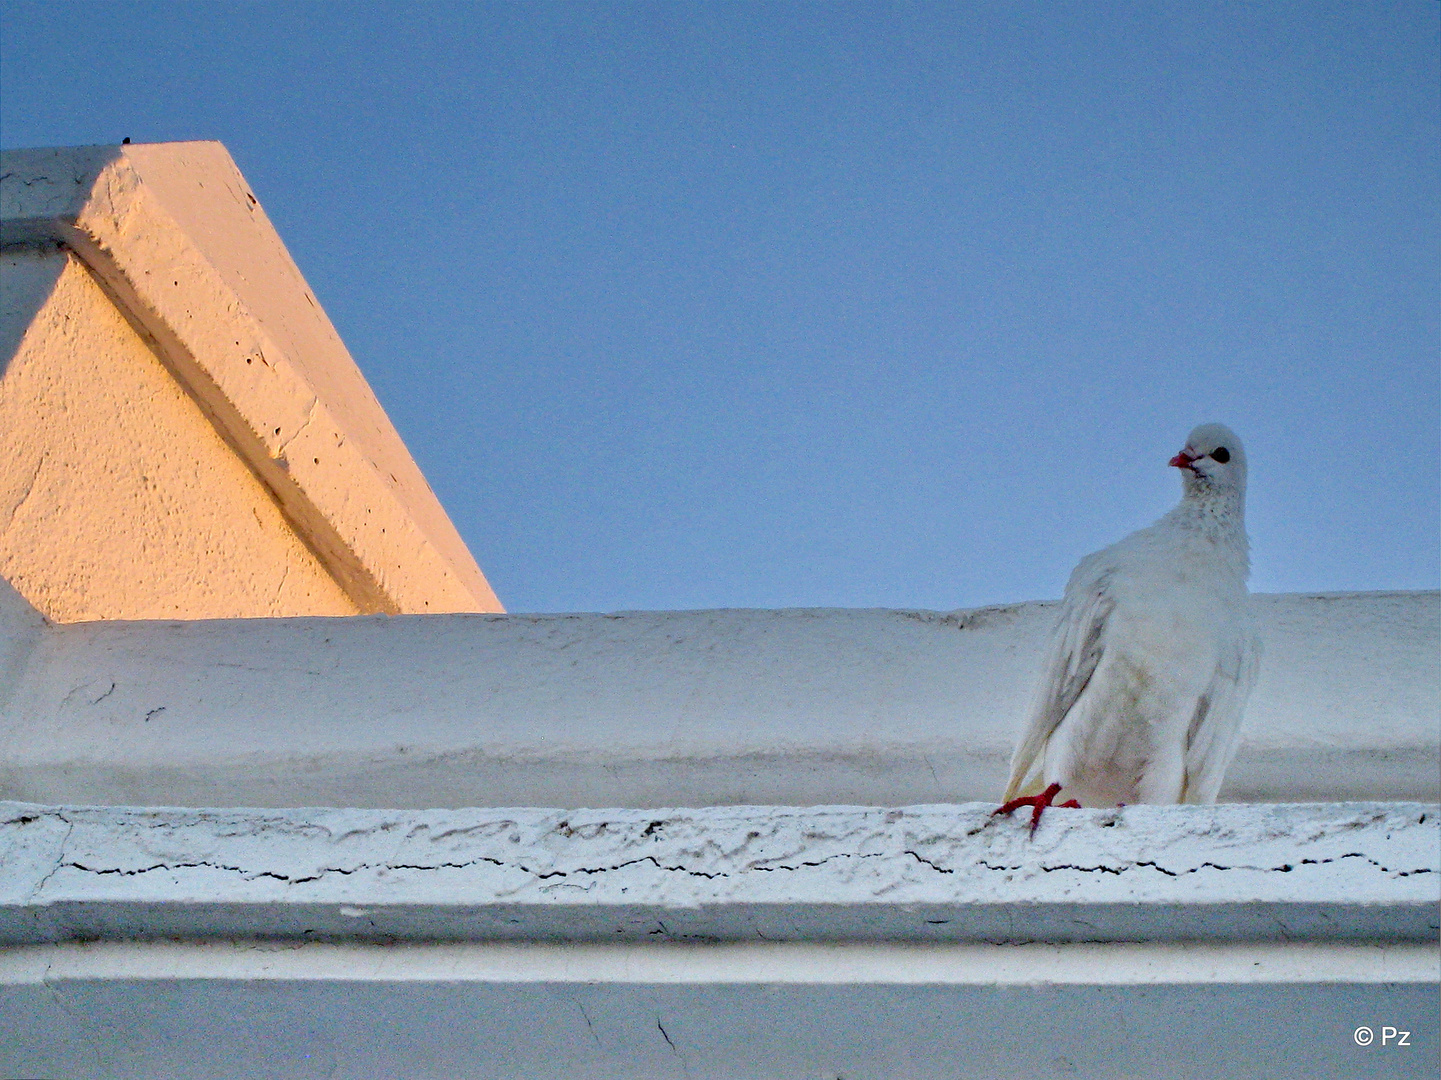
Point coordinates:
[(903, 305)]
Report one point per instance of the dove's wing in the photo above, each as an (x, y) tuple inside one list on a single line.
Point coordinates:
[(1076, 647), (1211, 739)]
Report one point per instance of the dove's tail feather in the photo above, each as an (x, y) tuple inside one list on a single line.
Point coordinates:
[(1025, 785)]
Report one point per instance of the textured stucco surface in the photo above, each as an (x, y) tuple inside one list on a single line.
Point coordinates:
[(1337, 872), (725, 942), (804, 707), (118, 499), (179, 244)]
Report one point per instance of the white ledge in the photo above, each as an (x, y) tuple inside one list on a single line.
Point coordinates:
[(1326, 872), (803, 707)]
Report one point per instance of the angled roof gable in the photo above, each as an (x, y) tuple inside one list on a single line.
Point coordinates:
[(173, 236)]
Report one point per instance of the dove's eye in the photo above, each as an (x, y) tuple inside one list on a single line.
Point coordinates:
[(1221, 454)]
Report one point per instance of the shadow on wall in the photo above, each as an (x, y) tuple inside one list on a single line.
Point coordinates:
[(30, 274)]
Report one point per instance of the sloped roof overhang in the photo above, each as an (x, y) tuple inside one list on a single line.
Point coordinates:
[(175, 236)]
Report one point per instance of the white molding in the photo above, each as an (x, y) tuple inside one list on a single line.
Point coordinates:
[(733, 963)]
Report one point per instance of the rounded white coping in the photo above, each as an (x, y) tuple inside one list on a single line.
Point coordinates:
[(1359, 872), (799, 706)]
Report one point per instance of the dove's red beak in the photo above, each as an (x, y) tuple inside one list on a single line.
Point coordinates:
[(1183, 460)]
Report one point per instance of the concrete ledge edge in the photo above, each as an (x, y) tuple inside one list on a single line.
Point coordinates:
[(1320, 872)]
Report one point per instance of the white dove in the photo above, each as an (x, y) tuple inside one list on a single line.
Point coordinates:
[(1153, 656)]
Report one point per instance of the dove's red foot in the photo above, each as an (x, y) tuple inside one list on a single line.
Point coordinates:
[(1038, 804)]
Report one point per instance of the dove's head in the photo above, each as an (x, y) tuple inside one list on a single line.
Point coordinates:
[(1213, 461)]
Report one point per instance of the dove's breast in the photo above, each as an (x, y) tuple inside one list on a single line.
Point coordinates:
[(1169, 620)]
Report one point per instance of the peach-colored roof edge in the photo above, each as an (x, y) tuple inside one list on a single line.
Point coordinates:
[(175, 235)]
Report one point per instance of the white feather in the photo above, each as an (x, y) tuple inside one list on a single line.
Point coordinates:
[(1154, 653)]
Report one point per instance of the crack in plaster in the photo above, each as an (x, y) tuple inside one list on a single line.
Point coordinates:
[(280, 586), (59, 856), (632, 862), (78, 1019), (684, 1068), (24, 495), (588, 1025), (539, 875), (1284, 868), (89, 686), (545, 875), (591, 831), (309, 416), (29, 183), (267, 669), (935, 866), (72, 865), (819, 862)]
